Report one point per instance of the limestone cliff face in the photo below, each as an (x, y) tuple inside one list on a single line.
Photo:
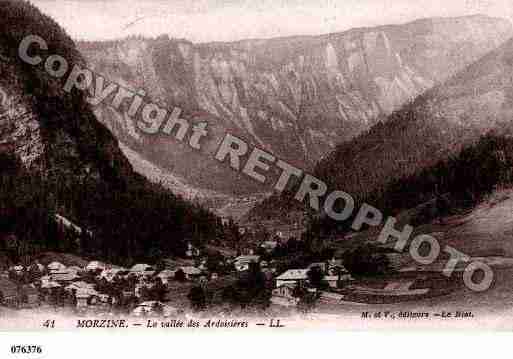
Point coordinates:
[(297, 97), (20, 131), (476, 101)]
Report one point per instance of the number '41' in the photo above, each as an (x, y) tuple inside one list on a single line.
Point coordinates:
[(49, 324)]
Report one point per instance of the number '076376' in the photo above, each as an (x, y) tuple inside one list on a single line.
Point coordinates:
[(26, 349)]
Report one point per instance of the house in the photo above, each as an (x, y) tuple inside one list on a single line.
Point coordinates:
[(47, 286), (82, 299), (138, 289), (81, 291), (142, 271), (8, 293), (333, 280), (95, 266), (337, 269), (166, 276), (55, 267), (110, 274), (242, 263), (137, 268), (284, 295), (86, 297), (330, 298), (36, 267), (295, 276), (64, 276)]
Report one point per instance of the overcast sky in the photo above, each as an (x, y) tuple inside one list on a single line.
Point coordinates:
[(227, 20)]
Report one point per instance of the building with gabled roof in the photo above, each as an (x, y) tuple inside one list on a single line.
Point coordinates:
[(242, 263), (295, 276), (284, 295), (141, 267), (64, 276), (94, 266), (55, 266)]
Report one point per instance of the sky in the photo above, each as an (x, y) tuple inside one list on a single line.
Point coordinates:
[(231, 20)]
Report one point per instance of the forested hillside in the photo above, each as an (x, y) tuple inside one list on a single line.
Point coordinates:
[(452, 185), (57, 158)]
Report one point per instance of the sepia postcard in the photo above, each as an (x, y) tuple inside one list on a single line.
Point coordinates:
[(255, 165)]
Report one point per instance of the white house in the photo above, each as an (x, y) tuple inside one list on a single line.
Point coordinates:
[(141, 267), (49, 285), (95, 265), (284, 295), (294, 276), (64, 276), (55, 267)]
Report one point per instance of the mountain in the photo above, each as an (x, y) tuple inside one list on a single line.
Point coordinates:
[(57, 158), (436, 125), (297, 97), (432, 129)]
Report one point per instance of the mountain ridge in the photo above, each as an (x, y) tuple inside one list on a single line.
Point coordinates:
[(432, 129), (295, 97)]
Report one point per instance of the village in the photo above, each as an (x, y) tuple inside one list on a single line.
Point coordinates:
[(272, 269), (209, 279)]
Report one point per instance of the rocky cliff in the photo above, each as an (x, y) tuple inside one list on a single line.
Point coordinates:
[(477, 100), (296, 97)]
